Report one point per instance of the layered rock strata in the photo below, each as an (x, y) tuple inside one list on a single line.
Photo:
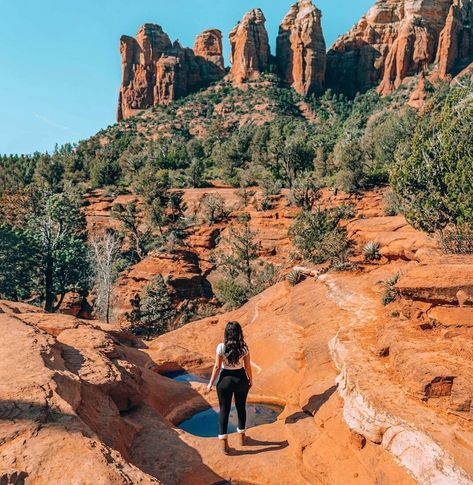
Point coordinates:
[(157, 71), (250, 51), (301, 50)]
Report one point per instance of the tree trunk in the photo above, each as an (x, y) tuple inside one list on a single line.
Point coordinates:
[(48, 285)]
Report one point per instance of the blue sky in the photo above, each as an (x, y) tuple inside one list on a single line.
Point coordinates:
[(61, 67)]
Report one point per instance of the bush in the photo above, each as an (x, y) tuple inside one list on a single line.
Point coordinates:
[(319, 239), (390, 292), (305, 192), (457, 240), (231, 293), (433, 177), (213, 208), (392, 204), (371, 251)]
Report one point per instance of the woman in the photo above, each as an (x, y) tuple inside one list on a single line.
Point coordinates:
[(233, 359)]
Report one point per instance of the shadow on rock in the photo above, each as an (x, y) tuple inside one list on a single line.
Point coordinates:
[(313, 406)]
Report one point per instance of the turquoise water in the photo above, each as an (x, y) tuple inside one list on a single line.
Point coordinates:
[(184, 376), (205, 423)]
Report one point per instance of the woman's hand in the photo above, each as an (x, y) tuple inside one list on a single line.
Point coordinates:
[(210, 387), (251, 383)]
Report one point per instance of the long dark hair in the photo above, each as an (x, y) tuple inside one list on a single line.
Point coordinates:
[(235, 346)]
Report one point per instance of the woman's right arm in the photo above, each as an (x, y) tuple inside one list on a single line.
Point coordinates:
[(247, 364), (215, 371)]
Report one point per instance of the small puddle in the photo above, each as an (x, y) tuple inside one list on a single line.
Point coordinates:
[(205, 423), (202, 377)]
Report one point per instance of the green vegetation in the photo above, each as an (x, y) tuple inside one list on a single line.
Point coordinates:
[(371, 251), (390, 292), (152, 313), (43, 249), (242, 276), (318, 237), (264, 136), (432, 175)]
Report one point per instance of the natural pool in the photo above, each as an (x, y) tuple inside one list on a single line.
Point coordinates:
[(205, 423), (202, 377)]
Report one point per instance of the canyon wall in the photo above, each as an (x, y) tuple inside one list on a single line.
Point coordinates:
[(395, 40)]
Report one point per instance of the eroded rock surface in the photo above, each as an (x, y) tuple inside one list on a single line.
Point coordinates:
[(157, 71), (250, 51), (301, 49), (397, 39)]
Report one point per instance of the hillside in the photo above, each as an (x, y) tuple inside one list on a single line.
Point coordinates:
[(321, 197)]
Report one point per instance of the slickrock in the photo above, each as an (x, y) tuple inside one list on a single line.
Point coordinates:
[(413, 396), (301, 50), (396, 238), (157, 71), (250, 51), (446, 282)]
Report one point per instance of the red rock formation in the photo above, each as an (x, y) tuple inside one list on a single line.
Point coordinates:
[(456, 40), (394, 40), (250, 53), (301, 50), (155, 71), (208, 45)]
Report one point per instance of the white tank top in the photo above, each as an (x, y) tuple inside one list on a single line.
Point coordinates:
[(225, 365)]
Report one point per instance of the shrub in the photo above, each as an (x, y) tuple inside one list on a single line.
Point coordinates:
[(231, 293), (390, 292), (318, 237), (433, 178), (457, 240), (371, 251), (305, 192), (392, 204), (213, 208)]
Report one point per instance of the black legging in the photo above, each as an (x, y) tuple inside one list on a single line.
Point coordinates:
[(232, 382)]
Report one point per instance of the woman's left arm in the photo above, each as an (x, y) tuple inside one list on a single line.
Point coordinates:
[(215, 371), (247, 364)]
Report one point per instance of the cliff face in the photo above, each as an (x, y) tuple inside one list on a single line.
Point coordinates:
[(395, 40), (156, 71), (250, 52), (301, 50), (456, 40), (400, 38)]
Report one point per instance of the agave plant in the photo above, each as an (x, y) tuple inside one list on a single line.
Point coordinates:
[(295, 277), (371, 251)]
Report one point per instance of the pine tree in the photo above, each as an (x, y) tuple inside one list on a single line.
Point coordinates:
[(153, 313)]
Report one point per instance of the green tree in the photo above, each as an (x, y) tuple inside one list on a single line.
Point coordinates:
[(433, 178), (318, 237), (18, 269), (57, 230), (153, 313), (137, 234)]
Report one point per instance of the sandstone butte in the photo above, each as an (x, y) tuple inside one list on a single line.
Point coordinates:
[(394, 41), (371, 394), (397, 39)]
